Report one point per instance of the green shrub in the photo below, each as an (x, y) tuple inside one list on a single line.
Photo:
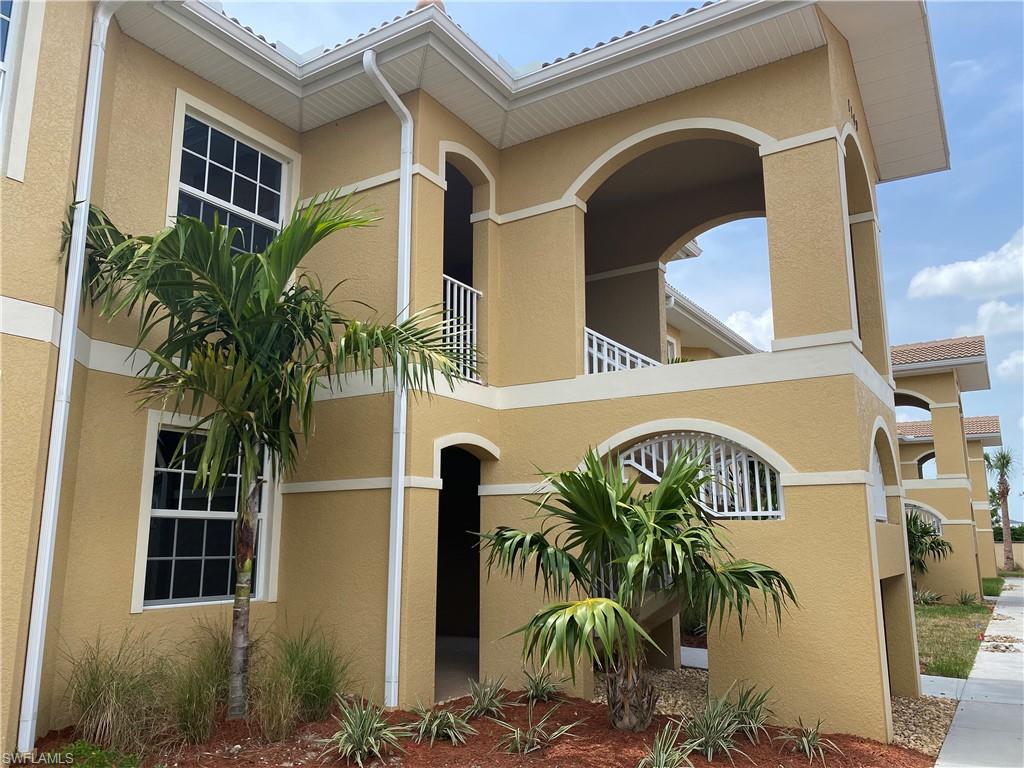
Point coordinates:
[(927, 597), (666, 751), (488, 698), (534, 736), (753, 712), (992, 587), (83, 754), (966, 598), (541, 686), (713, 729), (441, 723), (199, 686), (363, 733), (116, 694), (808, 742)]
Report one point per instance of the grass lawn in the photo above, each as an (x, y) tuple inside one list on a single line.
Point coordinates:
[(991, 587), (1001, 572), (948, 637)]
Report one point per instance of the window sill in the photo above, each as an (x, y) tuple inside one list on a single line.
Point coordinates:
[(199, 604)]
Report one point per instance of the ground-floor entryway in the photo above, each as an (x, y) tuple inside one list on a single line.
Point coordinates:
[(988, 728)]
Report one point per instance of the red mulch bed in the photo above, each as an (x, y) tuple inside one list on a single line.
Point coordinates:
[(594, 744)]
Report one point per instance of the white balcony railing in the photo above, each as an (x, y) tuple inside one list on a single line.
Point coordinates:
[(603, 355), (461, 310)]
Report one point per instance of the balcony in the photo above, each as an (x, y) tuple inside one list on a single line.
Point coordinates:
[(604, 355), (461, 315)]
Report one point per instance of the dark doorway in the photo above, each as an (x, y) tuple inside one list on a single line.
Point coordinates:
[(457, 642), (458, 229)]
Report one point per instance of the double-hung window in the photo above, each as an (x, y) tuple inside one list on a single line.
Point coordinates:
[(190, 552), (224, 177)]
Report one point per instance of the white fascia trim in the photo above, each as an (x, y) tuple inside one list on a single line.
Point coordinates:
[(701, 317), (838, 477), (817, 340), (17, 111), (937, 483), (937, 366), (358, 484), (610, 273), (801, 140)]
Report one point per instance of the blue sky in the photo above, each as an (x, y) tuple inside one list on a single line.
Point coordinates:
[(951, 242)]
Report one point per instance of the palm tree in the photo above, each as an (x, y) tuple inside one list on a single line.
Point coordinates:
[(999, 464), (610, 557), (923, 542), (243, 341)]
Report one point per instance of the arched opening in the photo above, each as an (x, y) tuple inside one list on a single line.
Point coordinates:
[(913, 421), (926, 466), (644, 209), (457, 624), (464, 258), (882, 474), (869, 302)]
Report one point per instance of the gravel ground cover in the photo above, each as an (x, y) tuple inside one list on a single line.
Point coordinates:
[(922, 724)]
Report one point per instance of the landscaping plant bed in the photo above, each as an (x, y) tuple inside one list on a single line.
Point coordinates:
[(593, 744)]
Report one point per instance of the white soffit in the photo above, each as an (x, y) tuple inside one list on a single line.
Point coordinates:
[(427, 50), (891, 48)]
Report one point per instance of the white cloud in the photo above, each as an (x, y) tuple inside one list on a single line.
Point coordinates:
[(1013, 366), (995, 317), (757, 329), (966, 74), (997, 273)]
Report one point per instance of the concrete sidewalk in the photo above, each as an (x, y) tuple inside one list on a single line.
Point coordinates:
[(988, 728)]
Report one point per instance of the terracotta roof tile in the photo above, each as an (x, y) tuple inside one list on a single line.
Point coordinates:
[(939, 350), (973, 425)]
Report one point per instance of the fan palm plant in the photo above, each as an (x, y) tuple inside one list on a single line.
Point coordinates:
[(607, 553), (1000, 463), (243, 342), (924, 542)]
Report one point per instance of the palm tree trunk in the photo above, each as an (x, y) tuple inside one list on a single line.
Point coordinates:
[(1004, 493), (238, 681), (631, 695)]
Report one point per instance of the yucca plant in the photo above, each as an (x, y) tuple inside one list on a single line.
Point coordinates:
[(713, 729), (926, 597), (363, 734), (243, 342), (603, 549), (441, 723), (924, 542), (966, 598), (808, 742), (487, 698), (535, 735), (667, 751), (541, 686), (753, 712)]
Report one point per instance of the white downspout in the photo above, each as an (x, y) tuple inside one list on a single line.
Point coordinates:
[(401, 411), (62, 396)]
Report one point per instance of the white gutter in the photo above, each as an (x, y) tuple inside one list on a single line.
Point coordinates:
[(62, 395), (401, 410)]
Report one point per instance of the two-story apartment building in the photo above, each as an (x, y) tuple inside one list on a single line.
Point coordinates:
[(501, 194)]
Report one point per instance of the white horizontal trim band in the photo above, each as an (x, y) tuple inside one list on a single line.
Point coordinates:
[(358, 484), (860, 218), (801, 140), (957, 522), (983, 530), (514, 489), (816, 340), (645, 267), (388, 177), (946, 482), (980, 505), (569, 201)]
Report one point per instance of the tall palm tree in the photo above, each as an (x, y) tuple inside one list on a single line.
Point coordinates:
[(1000, 463), (243, 341), (610, 555)]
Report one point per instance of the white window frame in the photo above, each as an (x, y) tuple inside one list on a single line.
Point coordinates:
[(268, 547), (671, 350), (877, 500), (19, 85), (185, 103)]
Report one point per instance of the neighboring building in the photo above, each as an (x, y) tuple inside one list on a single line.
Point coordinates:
[(604, 163), (967, 526), (692, 333)]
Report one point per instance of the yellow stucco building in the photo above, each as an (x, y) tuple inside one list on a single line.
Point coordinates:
[(538, 207)]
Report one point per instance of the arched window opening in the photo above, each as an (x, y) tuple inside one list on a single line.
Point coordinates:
[(461, 300), (926, 514), (743, 486), (644, 216), (876, 492), (926, 466)]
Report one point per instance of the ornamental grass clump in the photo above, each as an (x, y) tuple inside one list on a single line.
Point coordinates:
[(364, 734), (487, 698), (199, 686), (667, 751), (443, 724), (713, 729), (535, 736), (808, 742)]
